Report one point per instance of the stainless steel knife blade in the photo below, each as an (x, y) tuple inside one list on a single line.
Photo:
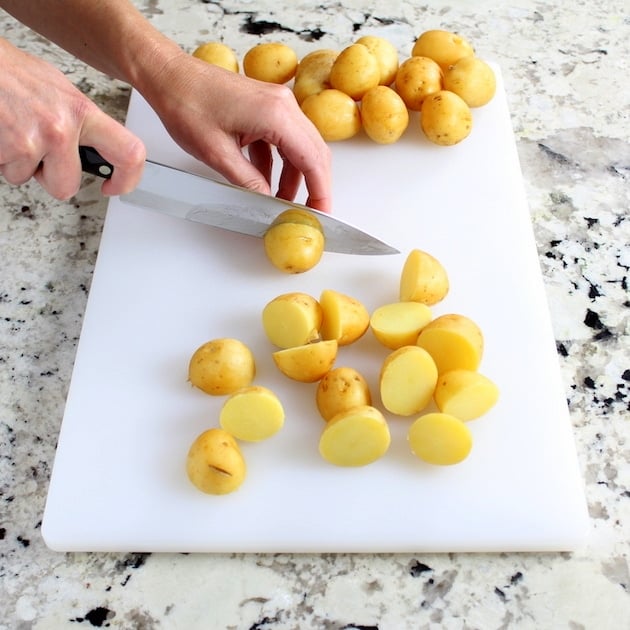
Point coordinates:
[(189, 196)]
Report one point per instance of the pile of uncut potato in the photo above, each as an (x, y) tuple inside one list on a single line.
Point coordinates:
[(365, 86), (429, 360)]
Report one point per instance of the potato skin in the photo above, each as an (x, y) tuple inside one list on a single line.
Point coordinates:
[(384, 115), (293, 247), (417, 78), (335, 114), (386, 56), (272, 62), (341, 389), (355, 71), (472, 79), (445, 118), (218, 54), (442, 46)]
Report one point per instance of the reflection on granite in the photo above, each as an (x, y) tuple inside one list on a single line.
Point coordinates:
[(565, 69)]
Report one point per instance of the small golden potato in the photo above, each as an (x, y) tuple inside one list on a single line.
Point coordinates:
[(454, 341), (335, 114), (252, 414), (341, 389), (399, 324), (407, 380), (272, 62), (215, 464), (440, 439), (218, 54), (442, 46), (356, 437), (472, 79), (294, 242), (386, 56), (445, 118), (313, 74), (344, 318), (384, 115), (355, 71), (221, 366), (417, 77), (307, 363), (423, 279), (292, 319), (465, 394)]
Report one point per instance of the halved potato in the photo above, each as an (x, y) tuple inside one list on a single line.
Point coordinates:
[(356, 437), (423, 279), (465, 394), (292, 319), (439, 438), (344, 318), (307, 363), (398, 324), (341, 389), (407, 380)]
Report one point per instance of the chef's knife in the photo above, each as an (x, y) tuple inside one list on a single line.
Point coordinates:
[(181, 194)]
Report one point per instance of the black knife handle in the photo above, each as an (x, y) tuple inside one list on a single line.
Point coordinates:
[(93, 163)]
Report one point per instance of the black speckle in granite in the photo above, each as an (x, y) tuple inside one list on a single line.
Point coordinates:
[(555, 155), (500, 593), (25, 542), (3, 533), (97, 617), (591, 221), (260, 625), (626, 375), (356, 626), (516, 578), (561, 349), (262, 27), (589, 382), (132, 561), (418, 568)]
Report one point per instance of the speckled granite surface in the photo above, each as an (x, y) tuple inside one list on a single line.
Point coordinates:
[(565, 68)]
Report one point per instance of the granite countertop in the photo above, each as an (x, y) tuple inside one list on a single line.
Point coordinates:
[(565, 69)]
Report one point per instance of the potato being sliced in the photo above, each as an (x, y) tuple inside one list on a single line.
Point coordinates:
[(292, 319), (341, 389), (344, 318), (423, 279), (439, 438), (307, 363), (407, 380), (454, 341), (398, 324), (465, 394), (356, 437), (252, 414)]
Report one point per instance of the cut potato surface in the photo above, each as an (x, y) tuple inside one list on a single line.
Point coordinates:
[(398, 324), (465, 394), (439, 438), (252, 414), (407, 380), (215, 464), (307, 363), (344, 318), (423, 279), (341, 389), (454, 341), (292, 319), (356, 437)]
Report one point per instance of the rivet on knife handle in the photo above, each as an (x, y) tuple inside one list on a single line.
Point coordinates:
[(93, 163)]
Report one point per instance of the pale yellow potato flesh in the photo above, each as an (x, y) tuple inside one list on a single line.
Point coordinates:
[(355, 71), (384, 114), (398, 324), (440, 439), (215, 463), (454, 341), (335, 114), (407, 380), (472, 79), (307, 363), (341, 389), (417, 77), (272, 62), (252, 414), (386, 56), (465, 394), (445, 118), (293, 247), (292, 319), (357, 437), (444, 47), (344, 318), (423, 279), (221, 366), (218, 54)]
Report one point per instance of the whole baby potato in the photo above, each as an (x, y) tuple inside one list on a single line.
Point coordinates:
[(384, 114), (292, 319), (472, 79), (313, 73), (294, 243), (335, 114), (218, 54), (445, 118), (355, 71), (417, 77), (442, 46), (341, 389), (386, 56), (215, 463), (221, 366), (272, 62)]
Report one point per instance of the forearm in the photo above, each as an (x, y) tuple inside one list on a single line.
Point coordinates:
[(109, 35)]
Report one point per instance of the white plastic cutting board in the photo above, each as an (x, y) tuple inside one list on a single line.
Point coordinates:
[(163, 286)]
